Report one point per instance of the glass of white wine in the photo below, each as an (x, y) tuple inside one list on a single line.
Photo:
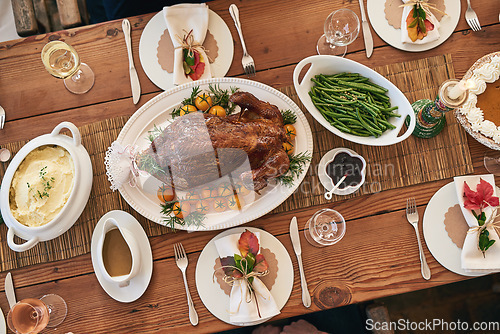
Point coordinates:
[(31, 315), (341, 29), (62, 61)]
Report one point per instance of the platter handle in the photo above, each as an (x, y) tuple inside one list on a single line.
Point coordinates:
[(20, 247), (300, 66), (77, 138)]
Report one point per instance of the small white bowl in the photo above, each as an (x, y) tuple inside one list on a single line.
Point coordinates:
[(82, 184), (327, 181)]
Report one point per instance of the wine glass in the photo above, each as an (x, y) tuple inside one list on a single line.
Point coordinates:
[(326, 227), (31, 315), (62, 61), (492, 162), (341, 29)]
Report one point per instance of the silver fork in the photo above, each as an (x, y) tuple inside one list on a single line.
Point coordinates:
[(412, 216), (182, 262), (247, 60), (2, 117), (471, 18)]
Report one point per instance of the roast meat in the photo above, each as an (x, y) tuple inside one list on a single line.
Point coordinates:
[(198, 148)]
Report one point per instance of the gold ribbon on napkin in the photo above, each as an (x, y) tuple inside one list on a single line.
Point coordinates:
[(491, 222), (188, 42), (424, 4)]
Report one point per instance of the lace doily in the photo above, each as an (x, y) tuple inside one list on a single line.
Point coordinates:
[(120, 165)]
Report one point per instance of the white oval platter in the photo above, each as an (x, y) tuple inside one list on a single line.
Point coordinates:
[(157, 112)]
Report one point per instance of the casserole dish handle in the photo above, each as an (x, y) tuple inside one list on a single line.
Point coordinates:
[(77, 138), (20, 247)]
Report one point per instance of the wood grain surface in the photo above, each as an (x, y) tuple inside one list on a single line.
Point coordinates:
[(378, 255)]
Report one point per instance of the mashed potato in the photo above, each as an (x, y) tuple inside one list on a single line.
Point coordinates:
[(41, 185)]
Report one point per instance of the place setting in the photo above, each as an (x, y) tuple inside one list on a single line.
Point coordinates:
[(157, 47)]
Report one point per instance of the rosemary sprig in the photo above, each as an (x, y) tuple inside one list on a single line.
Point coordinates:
[(297, 163), (221, 97), (153, 134), (289, 117)]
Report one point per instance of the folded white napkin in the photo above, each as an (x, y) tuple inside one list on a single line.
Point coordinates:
[(180, 20), (472, 257), (239, 310), (431, 35)]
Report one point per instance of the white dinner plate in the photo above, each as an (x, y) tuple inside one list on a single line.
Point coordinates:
[(139, 283), (214, 298), (439, 243), (3, 326), (392, 36), (157, 112), (149, 43)]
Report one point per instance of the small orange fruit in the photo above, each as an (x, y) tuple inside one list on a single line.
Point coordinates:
[(165, 193), (225, 189), (188, 108), (220, 204), (181, 209), (288, 148), (203, 102), (217, 111), (290, 132), (203, 206)]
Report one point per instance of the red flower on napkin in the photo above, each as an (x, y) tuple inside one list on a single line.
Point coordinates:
[(482, 197), (477, 200)]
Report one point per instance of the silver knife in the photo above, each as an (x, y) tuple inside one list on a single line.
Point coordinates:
[(367, 35), (134, 79), (294, 235), (9, 290)]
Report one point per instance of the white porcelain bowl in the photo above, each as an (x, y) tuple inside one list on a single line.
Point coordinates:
[(82, 184), (327, 181), (331, 65)]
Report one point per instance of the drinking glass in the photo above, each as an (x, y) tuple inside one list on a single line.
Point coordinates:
[(326, 227), (492, 162), (62, 61), (341, 29), (31, 315)]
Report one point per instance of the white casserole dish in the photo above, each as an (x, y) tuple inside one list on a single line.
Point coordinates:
[(82, 184), (332, 65)]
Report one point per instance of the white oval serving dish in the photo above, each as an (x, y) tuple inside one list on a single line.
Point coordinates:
[(82, 184), (331, 65)]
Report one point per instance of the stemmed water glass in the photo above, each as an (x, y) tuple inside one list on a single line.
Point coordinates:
[(32, 315), (326, 227), (492, 162), (341, 29), (62, 61)]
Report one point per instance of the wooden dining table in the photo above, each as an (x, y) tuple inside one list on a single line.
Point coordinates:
[(378, 256)]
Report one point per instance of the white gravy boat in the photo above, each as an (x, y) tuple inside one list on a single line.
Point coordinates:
[(123, 280)]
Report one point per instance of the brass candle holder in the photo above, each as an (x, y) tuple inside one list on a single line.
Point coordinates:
[(430, 115)]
